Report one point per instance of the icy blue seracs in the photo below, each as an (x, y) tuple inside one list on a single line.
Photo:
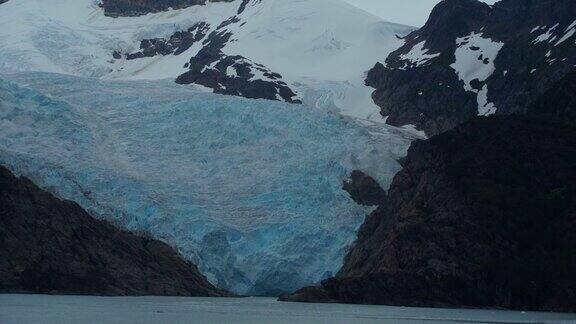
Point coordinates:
[(248, 189)]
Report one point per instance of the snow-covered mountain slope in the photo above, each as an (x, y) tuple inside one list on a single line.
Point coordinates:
[(250, 190), (473, 59), (315, 51), (74, 37)]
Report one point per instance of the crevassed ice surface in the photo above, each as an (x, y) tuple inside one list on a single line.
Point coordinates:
[(250, 190)]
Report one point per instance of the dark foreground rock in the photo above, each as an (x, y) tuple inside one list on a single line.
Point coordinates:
[(49, 245), (559, 102), (481, 216)]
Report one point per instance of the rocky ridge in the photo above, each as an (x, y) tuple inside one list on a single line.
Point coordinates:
[(234, 74), (472, 59), (128, 8), (48, 245)]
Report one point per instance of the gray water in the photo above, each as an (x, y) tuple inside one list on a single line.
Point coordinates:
[(23, 309)]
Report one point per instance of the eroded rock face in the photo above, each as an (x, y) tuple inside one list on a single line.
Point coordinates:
[(126, 8), (483, 215), (472, 59), (49, 245), (234, 74), (176, 44)]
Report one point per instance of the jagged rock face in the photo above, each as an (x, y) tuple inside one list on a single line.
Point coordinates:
[(49, 245), (177, 44), (119, 8), (234, 74), (471, 59), (483, 215)]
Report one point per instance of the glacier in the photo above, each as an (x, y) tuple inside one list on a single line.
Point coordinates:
[(250, 190)]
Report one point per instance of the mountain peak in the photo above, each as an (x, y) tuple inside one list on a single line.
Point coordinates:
[(472, 59)]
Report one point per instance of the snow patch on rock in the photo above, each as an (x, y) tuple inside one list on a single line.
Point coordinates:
[(417, 56), (470, 50), (547, 36), (570, 31)]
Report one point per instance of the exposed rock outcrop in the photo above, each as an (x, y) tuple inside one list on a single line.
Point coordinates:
[(472, 59), (234, 74), (49, 245), (364, 189), (481, 216), (176, 44), (127, 8)]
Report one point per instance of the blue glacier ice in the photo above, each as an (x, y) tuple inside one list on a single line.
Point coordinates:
[(250, 190)]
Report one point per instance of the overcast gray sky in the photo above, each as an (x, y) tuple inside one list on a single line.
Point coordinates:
[(408, 12)]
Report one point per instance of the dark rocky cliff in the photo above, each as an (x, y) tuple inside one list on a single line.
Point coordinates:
[(537, 40), (49, 245), (126, 8), (118, 8), (559, 102), (483, 215)]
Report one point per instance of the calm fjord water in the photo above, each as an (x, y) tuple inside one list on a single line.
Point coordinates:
[(24, 309)]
